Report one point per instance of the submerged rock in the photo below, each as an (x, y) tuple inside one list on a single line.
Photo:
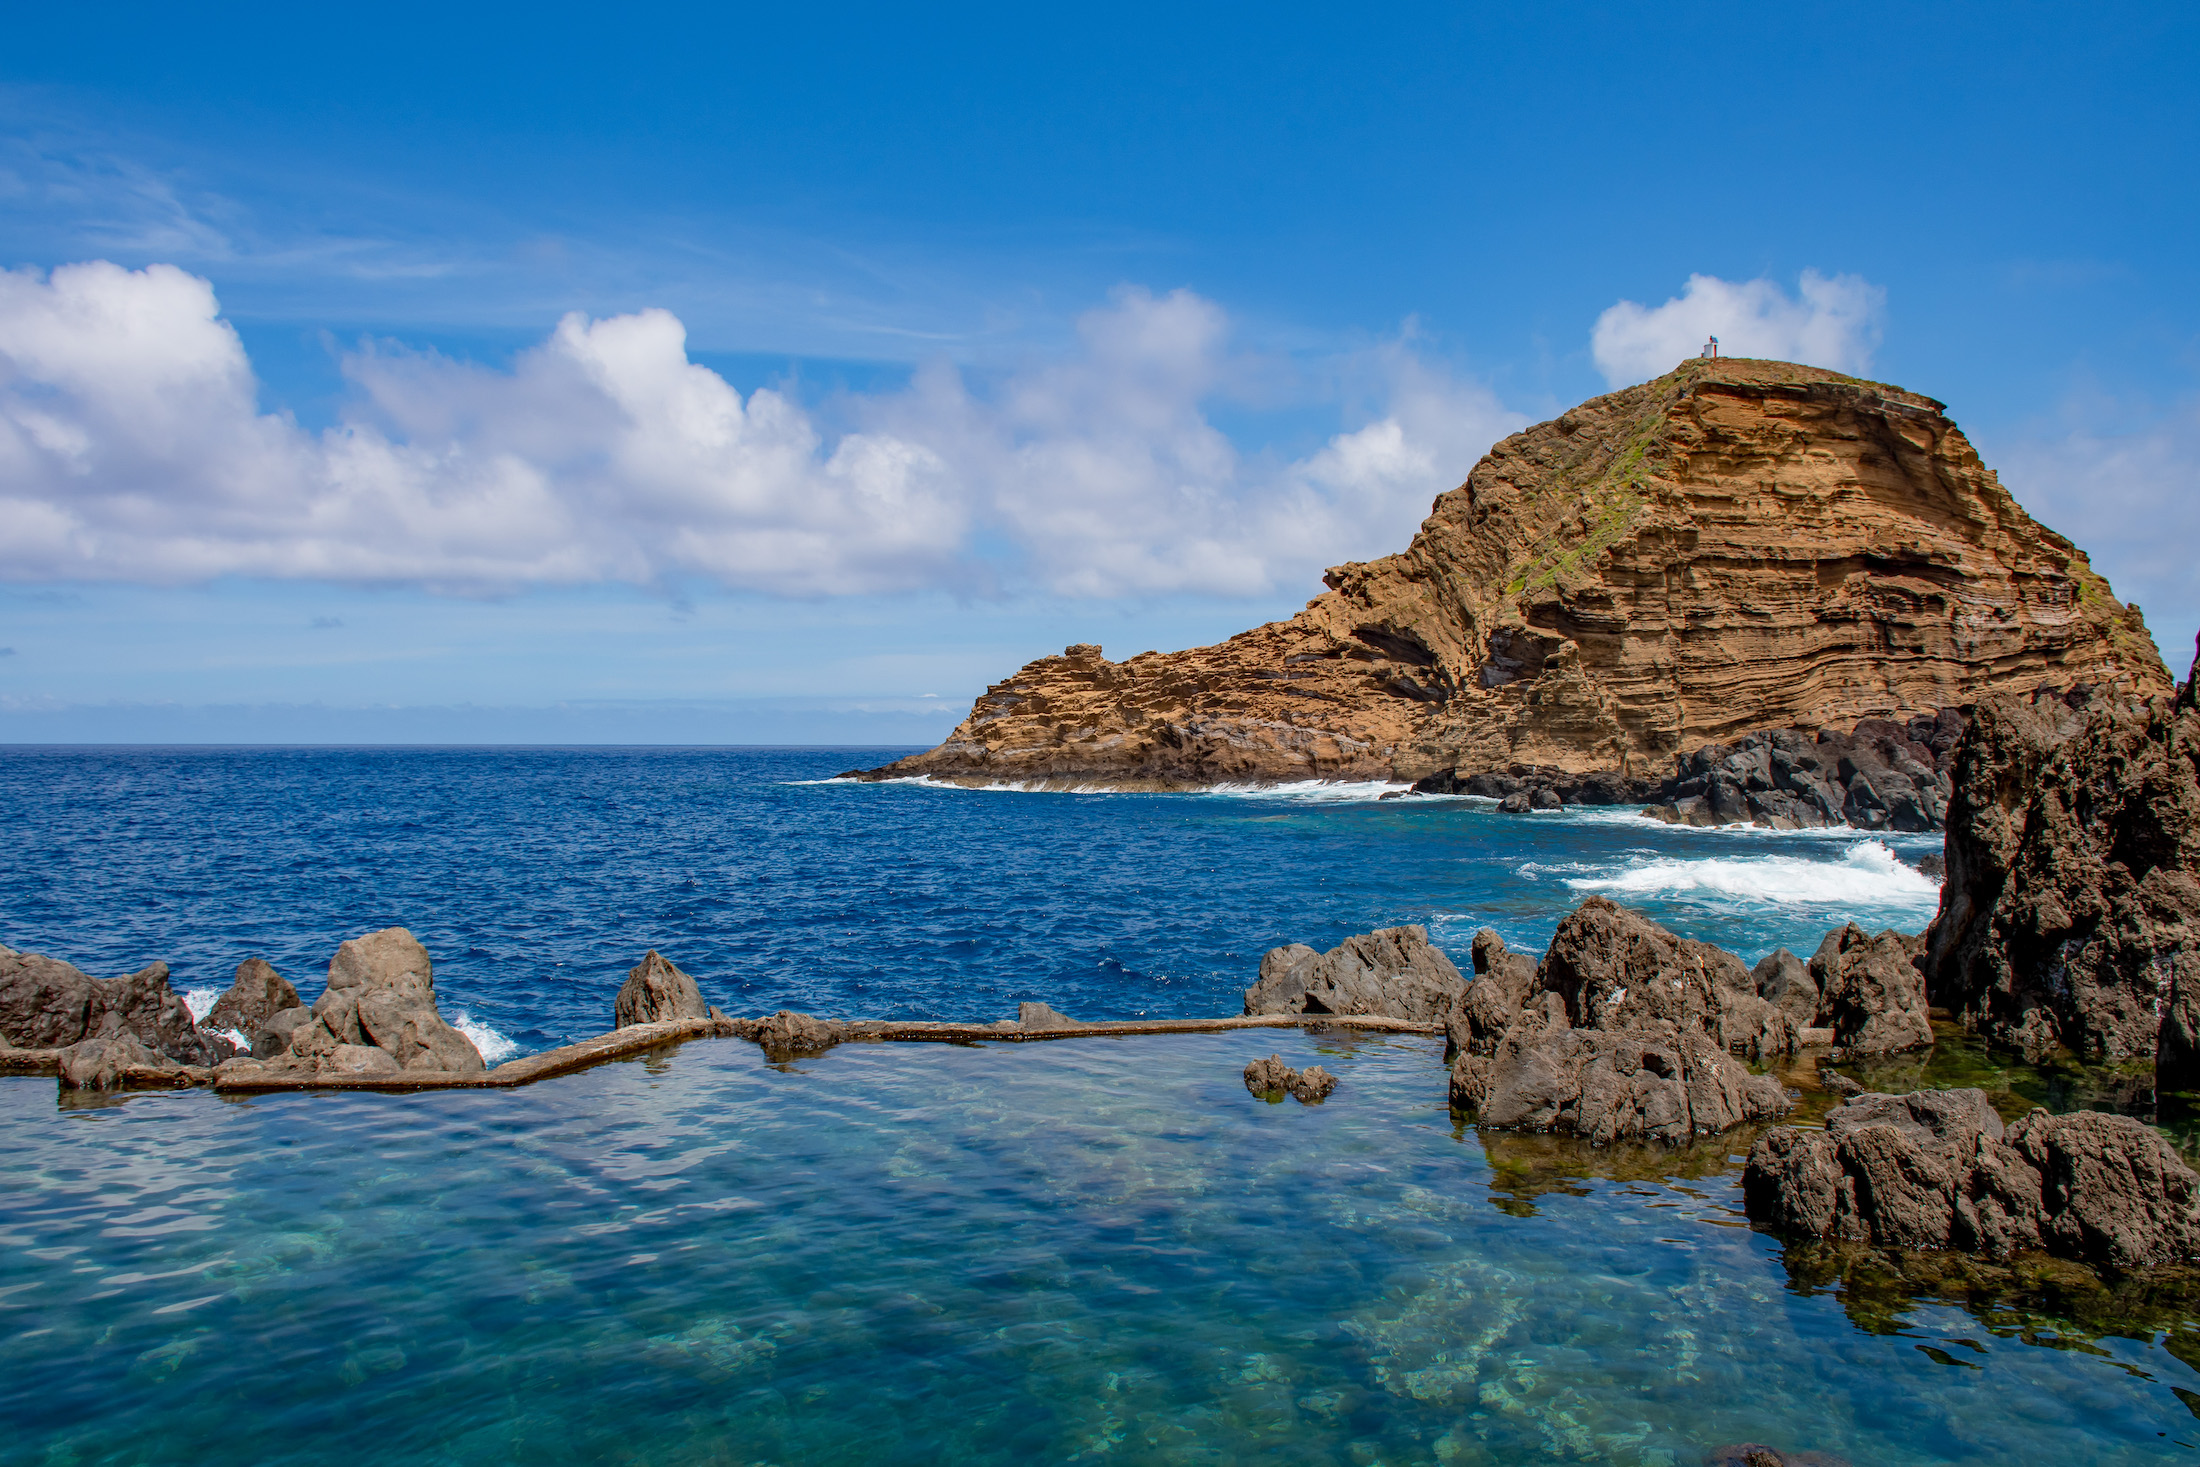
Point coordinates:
[(1757, 1454), (1623, 1032), (1271, 1078), (656, 990), (257, 994), (1937, 1169), (1393, 971)]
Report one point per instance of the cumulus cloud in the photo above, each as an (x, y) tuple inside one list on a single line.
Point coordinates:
[(132, 448), (1833, 321)]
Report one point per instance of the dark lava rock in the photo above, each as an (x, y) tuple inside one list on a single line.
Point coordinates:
[(1623, 1031), (1394, 972), (1272, 1079), (1936, 1169), (256, 995), (46, 1003), (1882, 775), (1871, 992), (656, 990), (1516, 803), (788, 1035), (1757, 1454), (1784, 981), (2071, 911)]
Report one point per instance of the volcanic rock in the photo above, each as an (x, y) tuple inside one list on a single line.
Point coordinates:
[(1936, 1169), (2071, 911), (257, 995), (1737, 546), (655, 990), (1871, 992), (380, 995), (1393, 971), (1271, 1078), (99, 1064), (1784, 981), (1622, 1032), (1881, 776), (46, 1003), (1040, 1016), (788, 1035)]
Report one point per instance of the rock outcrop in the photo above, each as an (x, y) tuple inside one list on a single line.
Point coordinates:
[(788, 1035), (377, 1016), (1937, 1169), (1394, 971), (1737, 546), (257, 994), (1272, 1079), (46, 1003), (1870, 992), (656, 990), (2070, 915), (1622, 1032)]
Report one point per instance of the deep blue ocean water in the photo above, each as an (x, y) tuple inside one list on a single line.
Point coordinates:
[(1091, 1250)]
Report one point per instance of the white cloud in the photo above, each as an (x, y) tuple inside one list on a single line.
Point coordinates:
[(1835, 323), (132, 449), (2129, 493)]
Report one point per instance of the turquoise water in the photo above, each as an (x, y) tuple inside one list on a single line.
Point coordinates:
[(1089, 1250)]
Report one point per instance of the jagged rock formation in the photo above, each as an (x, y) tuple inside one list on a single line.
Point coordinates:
[(1935, 1169), (1393, 971), (258, 993), (1870, 993), (46, 1003), (1622, 1032), (1272, 1079), (377, 1016), (1737, 546), (2071, 911), (656, 990)]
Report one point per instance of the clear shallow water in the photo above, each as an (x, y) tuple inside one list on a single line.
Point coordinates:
[(537, 877), (1088, 1250), (1092, 1250)]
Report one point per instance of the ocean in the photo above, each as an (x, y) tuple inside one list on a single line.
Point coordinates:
[(1086, 1250)]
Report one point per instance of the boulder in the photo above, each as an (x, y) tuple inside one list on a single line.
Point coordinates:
[(99, 1064), (787, 1035), (1652, 1084), (1393, 971), (2070, 915), (656, 990), (1870, 991), (1881, 775), (1624, 1031), (46, 1003), (1272, 1079), (1039, 1016), (1784, 981), (1937, 1169), (257, 994), (362, 1059), (380, 995)]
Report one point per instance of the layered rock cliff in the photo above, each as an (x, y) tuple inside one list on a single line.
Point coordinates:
[(1738, 545)]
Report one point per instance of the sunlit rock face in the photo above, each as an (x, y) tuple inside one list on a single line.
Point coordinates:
[(1738, 545)]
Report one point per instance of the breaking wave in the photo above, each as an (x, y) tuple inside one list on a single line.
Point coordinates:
[(494, 1047), (201, 1001), (1866, 875)]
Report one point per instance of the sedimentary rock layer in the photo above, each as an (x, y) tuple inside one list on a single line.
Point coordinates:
[(1737, 546)]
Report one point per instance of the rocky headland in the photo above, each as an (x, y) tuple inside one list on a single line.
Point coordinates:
[(1735, 550)]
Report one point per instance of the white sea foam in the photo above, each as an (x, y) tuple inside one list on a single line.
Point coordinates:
[(1866, 875), (236, 1037), (201, 1001), (1318, 790), (494, 1047)]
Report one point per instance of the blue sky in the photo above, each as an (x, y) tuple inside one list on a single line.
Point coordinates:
[(746, 374)]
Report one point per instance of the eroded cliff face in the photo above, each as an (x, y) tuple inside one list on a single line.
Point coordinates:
[(1738, 545)]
